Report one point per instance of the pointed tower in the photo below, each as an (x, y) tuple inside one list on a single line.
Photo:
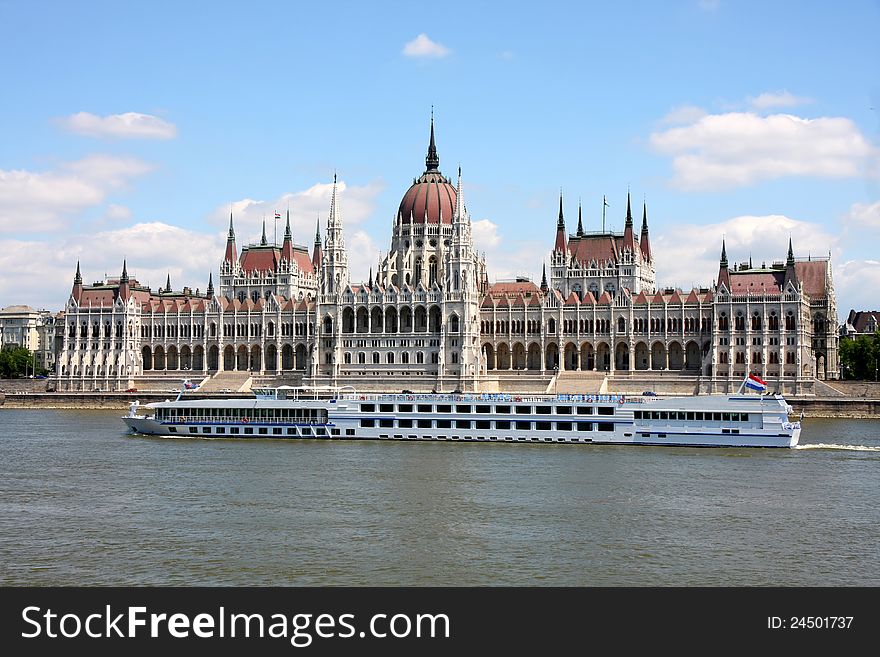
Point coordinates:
[(580, 230), (790, 273), (544, 287), (334, 268), (432, 160), (231, 254), (263, 240), (629, 239), (645, 242), (723, 271), (287, 246), (561, 239), (168, 283), (370, 280), (317, 252), (76, 293), (210, 291), (124, 288)]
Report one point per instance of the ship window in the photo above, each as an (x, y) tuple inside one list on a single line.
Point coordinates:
[(563, 410), (206, 429), (306, 432), (249, 430), (716, 417), (725, 417), (524, 410), (444, 408), (502, 424), (425, 408), (483, 409), (606, 410), (335, 432), (349, 432), (483, 424), (584, 426), (655, 415), (193, 429), (263, 430), (563, 426), (173, 429), (444, 424), (386, 423), (233, 430), (405, 408), (606, 426), (698, 416), (321, 431), (463, 424), (681, 415), (735, 430), (543, 410), (463, 408), (725, 431), (368, 423), (585, 410), (386, 408), (368, 408), (664, 415), (424, 424), (502, 409), (542, 426), (523, 426), (690, 416), (291, 431), (637, 415), (276, 431), (405, 424)]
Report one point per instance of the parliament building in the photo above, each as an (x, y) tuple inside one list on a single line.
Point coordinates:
[(429, 319)]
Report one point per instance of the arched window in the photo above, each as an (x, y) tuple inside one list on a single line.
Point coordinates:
[(347, 358), (362, 358), (453, 324), (375, 358), (432, 270), (389, 358), (621, 325)]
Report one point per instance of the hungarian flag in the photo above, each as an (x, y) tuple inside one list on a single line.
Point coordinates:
[(278, 215), (755, 383)]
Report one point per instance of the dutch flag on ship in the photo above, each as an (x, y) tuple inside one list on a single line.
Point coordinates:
[(755, 383)]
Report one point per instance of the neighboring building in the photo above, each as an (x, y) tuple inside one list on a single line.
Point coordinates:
[(23, 326), (428, 318), (859, 323)]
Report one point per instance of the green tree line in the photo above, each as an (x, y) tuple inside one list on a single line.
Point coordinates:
[(860, 358), (17, 362)]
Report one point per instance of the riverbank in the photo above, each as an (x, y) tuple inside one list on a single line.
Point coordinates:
[(818, 407)]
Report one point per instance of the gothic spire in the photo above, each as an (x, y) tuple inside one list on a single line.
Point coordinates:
[(370, 281), (645, 242), (231, 235), (210, 292), (629, 216), (287, 234), (124, 277), (230, 256), (263, 241), (124, 289), (723, 253), (432, 161), (561, 221), (168, 283), (790, 260), (77, 279), (561, 238), (723, 271), (790, 271), (544, 286), (459, 200), (580, 232)]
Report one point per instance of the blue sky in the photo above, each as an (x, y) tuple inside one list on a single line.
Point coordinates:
[(129, 130)]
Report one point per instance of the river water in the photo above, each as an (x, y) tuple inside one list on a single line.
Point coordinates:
[(84, 503)]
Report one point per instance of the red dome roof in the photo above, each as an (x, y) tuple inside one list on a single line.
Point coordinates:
[(430, 199)]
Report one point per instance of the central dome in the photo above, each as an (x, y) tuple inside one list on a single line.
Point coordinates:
[(431, 198)]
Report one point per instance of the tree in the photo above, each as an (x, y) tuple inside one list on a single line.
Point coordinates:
[(17, 361), (860, 358)]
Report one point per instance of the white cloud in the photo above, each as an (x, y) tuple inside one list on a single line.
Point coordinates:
[(38, 201), (709, 5), (355, 203), (40, 273), (485, 234), (856, 283), (422, 46), (863, 215), (778, 99), (130, 125), (722, 151), (689, 255), (363, 253)]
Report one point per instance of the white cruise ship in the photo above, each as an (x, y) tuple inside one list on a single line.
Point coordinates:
[(741, 420)]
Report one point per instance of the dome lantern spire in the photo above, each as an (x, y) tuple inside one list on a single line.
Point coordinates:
[(432, 161)]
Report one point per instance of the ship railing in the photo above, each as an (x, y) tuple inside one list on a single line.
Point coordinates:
[(191, 419), (487, 397)]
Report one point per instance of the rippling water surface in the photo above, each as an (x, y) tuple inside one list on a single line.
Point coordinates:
[(84, 503)]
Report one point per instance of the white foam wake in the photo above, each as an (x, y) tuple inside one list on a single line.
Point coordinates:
[(854, 448)]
